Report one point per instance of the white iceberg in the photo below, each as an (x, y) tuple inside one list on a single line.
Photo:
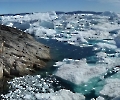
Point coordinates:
[(112, 88), (79, 72), (60, 95)]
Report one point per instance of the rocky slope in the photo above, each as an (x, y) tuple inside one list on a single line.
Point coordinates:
[(20, 54)]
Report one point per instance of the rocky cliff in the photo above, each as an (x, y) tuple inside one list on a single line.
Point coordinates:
[(20, 53)]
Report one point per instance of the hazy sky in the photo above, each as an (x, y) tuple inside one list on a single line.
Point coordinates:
[(19, 6)]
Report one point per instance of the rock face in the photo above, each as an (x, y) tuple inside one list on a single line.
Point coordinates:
[(20, 54)]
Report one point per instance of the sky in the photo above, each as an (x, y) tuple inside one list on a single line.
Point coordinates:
[(26, 6)]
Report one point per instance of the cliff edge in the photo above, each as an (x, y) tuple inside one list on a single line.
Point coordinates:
[(20, 53)]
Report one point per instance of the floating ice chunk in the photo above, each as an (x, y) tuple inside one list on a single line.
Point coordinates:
[(31, 87), (60, 95), (29, 18), (27, 97), (69, 26), (111, 60), (100, 98), (117, 98), (22, 26), (58, 64), (112, 88), (41, 31), (117, 40), (40, 23), (109, 13), (79, 72), (10, 25), (107, 46), (66, 95), (47, 24), (95, 22)]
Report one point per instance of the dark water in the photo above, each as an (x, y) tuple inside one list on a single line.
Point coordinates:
[(61, 50)]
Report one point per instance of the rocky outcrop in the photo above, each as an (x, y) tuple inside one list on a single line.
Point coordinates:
[(20, 53)]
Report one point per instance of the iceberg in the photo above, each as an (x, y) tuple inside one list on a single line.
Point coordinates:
[(78, 72), (60, 95), (112, 88), (100, 98), (117, 98), (86, 73), (109, 13)]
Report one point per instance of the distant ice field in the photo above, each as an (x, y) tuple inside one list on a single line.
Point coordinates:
[(86, 55)]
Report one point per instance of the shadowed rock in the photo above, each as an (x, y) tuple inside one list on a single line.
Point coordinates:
[(20, 54)]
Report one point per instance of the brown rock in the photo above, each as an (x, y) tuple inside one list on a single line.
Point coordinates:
[(20, 53)]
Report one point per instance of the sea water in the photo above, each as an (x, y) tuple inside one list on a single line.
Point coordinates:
[(87, 44)]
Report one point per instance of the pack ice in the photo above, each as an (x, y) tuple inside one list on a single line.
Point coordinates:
[(99, 72)]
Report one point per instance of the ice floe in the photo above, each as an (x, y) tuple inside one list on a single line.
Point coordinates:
[(117, 98), (111, 88), (78, 72), (37, 88), (64, 27), (100, 98), (61, 95), (101, 31)]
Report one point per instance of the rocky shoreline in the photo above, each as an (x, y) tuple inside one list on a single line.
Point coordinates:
[(20, 53)]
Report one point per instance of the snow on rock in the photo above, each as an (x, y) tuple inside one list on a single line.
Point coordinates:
[(112, 88), (78, 71)]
